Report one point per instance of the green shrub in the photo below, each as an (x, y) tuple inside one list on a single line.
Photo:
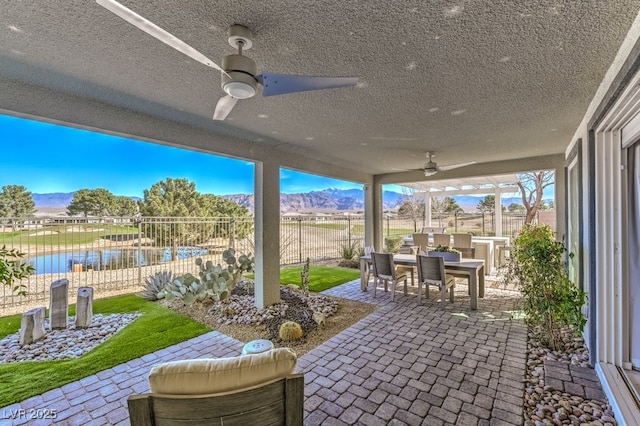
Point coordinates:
[(551, 300), (392, 243), (13, 268)]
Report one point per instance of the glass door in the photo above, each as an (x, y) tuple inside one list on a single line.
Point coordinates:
[(633, 244)]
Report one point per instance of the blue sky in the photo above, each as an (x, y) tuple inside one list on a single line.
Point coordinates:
[(49, 158)]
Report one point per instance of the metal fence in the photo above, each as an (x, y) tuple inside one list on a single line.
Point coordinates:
[(116, 255), (479, 224)]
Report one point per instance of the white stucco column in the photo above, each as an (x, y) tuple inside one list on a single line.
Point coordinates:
[(377, 212), (560, 202), (427, 209), (369, 222), (498, 209), (267, 235)]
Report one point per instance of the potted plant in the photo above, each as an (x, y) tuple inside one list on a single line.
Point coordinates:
[(447, 253)]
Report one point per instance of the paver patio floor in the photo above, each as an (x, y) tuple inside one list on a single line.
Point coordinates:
[(404, 364)]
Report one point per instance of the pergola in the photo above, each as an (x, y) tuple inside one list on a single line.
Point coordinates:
[(495, 184)]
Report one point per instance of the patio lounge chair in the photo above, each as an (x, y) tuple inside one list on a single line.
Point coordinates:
[(431, 272), (243, 390)]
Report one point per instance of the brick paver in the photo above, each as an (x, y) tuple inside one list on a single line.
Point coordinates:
[(403, 364)]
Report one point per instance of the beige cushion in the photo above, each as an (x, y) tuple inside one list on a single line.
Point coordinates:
[(215, 375)]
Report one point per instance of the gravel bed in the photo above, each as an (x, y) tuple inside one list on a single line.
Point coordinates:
[(545, 405), (68, 343)]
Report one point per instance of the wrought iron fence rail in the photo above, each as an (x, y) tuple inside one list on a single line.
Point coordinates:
[(116, 255)]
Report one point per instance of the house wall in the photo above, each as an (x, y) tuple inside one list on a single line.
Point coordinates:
[(604, 214)]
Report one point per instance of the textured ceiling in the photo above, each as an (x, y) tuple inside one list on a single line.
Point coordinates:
[(471, 80)]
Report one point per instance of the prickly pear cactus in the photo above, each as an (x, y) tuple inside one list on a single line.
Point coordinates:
[(186, 288), (290, 330), (219, 281)]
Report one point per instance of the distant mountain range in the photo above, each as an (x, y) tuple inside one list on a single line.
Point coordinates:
[(327, 200)]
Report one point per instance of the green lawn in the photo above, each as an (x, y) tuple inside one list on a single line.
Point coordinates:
[(320, 277), (157, 328), (63, 235)]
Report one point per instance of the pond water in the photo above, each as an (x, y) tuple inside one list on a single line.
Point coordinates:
[(108, 259)]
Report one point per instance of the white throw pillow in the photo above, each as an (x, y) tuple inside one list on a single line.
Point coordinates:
[(216, 375)]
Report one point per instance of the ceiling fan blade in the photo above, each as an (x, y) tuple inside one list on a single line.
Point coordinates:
[(224, 107), (157, 32), (280, 84), (455, 166)]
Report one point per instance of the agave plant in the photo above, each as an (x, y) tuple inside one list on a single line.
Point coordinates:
[(154, 285)]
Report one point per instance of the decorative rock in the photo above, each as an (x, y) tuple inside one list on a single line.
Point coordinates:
[(84, 307), (542, 400), (59, 306), (64, 344), (320, 319), (32, 326)]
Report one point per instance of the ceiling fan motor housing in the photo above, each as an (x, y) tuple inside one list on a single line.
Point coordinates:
[(240, 81)]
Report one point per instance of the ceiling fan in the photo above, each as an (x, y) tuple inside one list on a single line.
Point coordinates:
[(431, 167), (239, 73)]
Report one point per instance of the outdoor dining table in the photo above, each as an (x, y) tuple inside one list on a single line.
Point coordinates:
[(473, 269)]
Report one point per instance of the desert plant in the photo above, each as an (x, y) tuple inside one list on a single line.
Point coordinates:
[(154, 285), (13, 268), (551, 300), (348, 250), (392, 243), (186, 288), (290, 330), (219, 281), (304, 277), (238, 266)]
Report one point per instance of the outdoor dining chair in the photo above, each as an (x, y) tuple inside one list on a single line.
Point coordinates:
[(421, 241), (466, 252), (462, 240), (384, 270), (431, 272), (441, 240), (368, 250)]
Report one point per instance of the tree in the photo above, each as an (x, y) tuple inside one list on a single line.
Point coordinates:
[(124, 206), (229, 212), (440, 206), (95, 202), (16, 203), (487, 204), (412, 206), (515, 208), (179, 198), (532, 186)]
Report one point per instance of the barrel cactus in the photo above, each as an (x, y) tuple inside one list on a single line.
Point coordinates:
[(290, 330)]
